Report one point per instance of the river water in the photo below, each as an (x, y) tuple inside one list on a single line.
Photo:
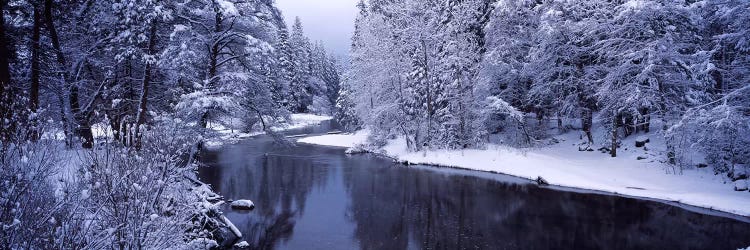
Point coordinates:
[(315, 197)]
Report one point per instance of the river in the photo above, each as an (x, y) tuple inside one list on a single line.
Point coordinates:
[(315, 197)]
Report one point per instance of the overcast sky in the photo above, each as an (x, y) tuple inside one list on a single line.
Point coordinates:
[(330, 21)]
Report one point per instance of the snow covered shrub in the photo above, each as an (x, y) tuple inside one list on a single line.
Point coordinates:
[(36, 208), (502, 119), (722, 133), (28, 207), (141, 199), (137, 198)]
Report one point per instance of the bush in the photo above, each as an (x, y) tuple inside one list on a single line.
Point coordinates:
[(721, 133)]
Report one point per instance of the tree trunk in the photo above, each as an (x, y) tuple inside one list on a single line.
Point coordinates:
[(114, 115), (83, 129), (143, 104), (647, 124), (587, 120), (540, 116), (615, 124), (628, 125), (5, 96), (35, 73), (4, 53), (213, 64), (430, 105), (126, 119), (114, 124)]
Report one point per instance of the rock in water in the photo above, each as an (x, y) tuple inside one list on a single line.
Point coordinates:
[(243, 205), (242, 245), (541, 181), (740, 185), (641, 142)]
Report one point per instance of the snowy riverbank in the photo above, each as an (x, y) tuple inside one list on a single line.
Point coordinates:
[(563, 164), (228, 135)]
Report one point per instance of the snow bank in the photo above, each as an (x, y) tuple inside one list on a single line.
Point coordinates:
[(231, 135), (310, 117), (563, 164), (338, 140), (303, 120)]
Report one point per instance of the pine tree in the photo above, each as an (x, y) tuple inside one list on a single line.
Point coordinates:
[(345, 113), (284, 66), (300, 81)]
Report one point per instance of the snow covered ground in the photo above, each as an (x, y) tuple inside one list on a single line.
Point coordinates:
[(338, 140), (636, 172), (303, 120), (223, 133), (228, 135)]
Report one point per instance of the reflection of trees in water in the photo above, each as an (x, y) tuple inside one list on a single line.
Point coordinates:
[(266, 231), (398, 207), (278, 184), (284, 182)]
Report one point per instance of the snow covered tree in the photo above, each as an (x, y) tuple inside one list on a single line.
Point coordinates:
[(509, 39), (147, 74), (324, 67), (423, 54), (6, 91), (138, 23), (563, 61), (650, 54), (346, 114), (392, 60), (720, 128), (232, 58), (460, 53), (301, 91), (284, 67)]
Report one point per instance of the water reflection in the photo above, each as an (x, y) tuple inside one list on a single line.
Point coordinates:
[(311, 197), (414, 209), (279, 185)]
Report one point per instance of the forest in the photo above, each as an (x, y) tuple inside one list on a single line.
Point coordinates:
[(105, 106), (454, 75), (153, 75)]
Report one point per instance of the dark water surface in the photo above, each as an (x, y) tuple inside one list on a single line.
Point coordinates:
[(314, 197)]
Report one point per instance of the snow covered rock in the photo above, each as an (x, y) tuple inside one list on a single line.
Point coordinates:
[(740, 185), (243, 205), (641, 142), (356, 150), (242, 244), (202, 243), (739, 174)]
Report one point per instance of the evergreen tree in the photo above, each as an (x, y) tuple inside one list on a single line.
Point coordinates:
[(299, 86)]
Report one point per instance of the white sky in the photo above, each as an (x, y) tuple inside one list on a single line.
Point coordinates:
[(329, 21)]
